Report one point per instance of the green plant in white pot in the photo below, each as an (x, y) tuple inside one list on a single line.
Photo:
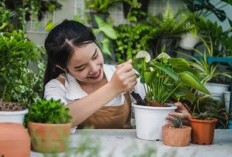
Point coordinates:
[(162, 77)]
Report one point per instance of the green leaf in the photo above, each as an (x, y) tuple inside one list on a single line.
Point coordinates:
[(148, 76), (49, 25), (165, 68), (106, 28), (191, 80)]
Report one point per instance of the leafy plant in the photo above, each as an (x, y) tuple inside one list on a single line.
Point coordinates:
[(101, 6), (131, 39), (206, 70), (25, 10), (48, 111), (177, 122), (167, 30), (207, 7), (108, 34), (203, 115), (18, 82), (170, 23), (205, 107), (213, 35), (164, 76), (4, 16)]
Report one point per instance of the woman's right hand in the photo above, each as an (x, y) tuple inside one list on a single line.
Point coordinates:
[(124, 78)]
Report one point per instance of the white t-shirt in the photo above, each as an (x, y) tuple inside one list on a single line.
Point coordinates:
[(72, 91)]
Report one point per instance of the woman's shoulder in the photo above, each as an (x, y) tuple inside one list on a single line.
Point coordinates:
[(56, 82), (109, 67)]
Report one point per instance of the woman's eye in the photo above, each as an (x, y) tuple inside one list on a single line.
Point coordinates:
[(94, 57), (80, 69)]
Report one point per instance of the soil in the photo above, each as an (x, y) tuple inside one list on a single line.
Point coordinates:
[(11, 106), (156, 104)]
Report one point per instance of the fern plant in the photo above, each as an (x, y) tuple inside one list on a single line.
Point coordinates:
[(171, 24), (48, 111)]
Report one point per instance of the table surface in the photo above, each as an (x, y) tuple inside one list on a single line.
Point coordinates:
[(124, 143)]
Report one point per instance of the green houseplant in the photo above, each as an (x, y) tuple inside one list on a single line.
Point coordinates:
[(207, 7), (106, 34), (100, 8), (168, 28), (49, 124), (209, 72), (162, 77), (176, 134), (131, 39), (25, 10), (207, 113), (20, 85)]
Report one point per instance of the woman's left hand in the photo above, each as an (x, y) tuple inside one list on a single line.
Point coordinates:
[(181, 112)]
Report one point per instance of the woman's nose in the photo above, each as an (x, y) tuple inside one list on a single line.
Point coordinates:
[(93, 68)]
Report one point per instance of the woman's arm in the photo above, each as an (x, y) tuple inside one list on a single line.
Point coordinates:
[(123, 80)]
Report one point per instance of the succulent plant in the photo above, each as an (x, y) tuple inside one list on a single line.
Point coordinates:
[(177, 122)]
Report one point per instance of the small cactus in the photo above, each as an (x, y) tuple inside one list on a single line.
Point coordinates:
[(177, 122)]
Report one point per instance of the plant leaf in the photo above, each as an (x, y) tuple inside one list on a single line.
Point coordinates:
[(192, 80)]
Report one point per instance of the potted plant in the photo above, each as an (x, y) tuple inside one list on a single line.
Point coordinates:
[(49, 124), (207, 113), (12, 112), (162, 78), (208, 70), (176, 134), (168, 29), (203, 126), (19, 87), (99, 8)]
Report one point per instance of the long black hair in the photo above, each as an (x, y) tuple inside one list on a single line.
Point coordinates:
[(60, 43)]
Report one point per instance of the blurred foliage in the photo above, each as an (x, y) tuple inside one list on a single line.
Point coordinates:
[(18, 82)]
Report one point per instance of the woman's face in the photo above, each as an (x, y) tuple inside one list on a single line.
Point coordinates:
[(86, 63)]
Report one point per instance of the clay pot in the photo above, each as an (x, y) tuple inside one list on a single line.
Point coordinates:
[(202, 131), (49, 138), (178, 137), (14, 140)]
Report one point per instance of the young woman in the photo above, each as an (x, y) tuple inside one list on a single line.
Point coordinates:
[(97, 94)]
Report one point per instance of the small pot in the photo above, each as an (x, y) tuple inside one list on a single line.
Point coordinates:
[(177, 137), (49, 138), (202, 131)]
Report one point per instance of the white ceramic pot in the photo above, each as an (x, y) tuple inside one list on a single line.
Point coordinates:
[(188, 41), (13, 116), (149, 121), (227, 100), (216, 90)]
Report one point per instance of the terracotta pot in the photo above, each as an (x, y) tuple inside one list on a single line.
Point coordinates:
[(14, 140), (202, 131), (49, 138), (176, 136)]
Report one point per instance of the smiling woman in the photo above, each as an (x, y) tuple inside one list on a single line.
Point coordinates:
[(76, 74), (97, 94)]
